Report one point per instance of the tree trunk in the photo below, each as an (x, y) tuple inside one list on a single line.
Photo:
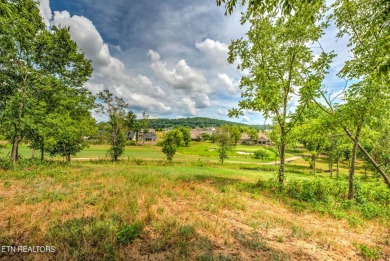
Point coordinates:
[(33, 153), (14, 151), (68, 158), (42, 153), (351, 185), (282, 159), (368, 156), (337, 169), (331, 168), (314, 159)]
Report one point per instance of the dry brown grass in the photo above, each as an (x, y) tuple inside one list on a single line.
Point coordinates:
[(183, 219)]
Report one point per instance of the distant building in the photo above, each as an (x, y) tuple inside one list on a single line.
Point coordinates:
[(145, 136), (262, 139), (197, 134), (245, 139)]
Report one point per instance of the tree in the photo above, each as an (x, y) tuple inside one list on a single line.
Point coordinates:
[(144, 125), (186, 136), (68, 127), (280, 66), (313, 131), (235, 134), (223, 139), (366, 24), (130, 120), (172, 140), (114, 108), (253, 135), (286, 6), (34, 63)]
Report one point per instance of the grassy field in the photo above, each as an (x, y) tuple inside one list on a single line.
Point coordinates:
[(141, 209)]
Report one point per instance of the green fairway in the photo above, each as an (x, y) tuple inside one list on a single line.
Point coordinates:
[(196, 151)]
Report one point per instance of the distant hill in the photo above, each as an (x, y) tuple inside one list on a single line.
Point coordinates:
[(200, 122)]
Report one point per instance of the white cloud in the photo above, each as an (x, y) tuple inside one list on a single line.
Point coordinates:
[(201, 100), (181, 76), (191, 106), (155, 56), (215, 51), (245, 119), (229, 84), (222, 112), (45, 11), (109, 72), (88, 39)]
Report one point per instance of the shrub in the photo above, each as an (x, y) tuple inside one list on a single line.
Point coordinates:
[(129, 233), (369, 253), (261, 154), (6, 164)]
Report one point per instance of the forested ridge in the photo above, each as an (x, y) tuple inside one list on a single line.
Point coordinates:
[(201, 122)]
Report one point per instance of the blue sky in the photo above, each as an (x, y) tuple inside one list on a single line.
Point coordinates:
[(166, 57)]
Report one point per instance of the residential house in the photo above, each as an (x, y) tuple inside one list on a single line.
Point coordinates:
[(150, 135), (262, 140)]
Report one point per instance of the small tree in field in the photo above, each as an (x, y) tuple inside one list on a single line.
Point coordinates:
[(186, 136), (114, 108), (223, 139), (171, 142)]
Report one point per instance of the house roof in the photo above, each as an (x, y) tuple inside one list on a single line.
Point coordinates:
[(262, 136)]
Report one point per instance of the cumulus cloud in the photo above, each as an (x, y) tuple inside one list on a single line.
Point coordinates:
[(215, 51), (201, 100), (191, 106), (88, 39), (45, 11), (109, 72), (181, 76), (229, 84)]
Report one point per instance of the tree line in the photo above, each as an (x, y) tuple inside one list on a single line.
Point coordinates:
[(196, 122)]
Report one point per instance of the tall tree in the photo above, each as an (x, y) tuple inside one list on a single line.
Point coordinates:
[(280, 65), (367, 25), (33, 63), (114, 109)]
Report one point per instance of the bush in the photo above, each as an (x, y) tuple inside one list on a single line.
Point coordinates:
[(369, 253), (6, 164), (262, 154), (129, 233), (330, 196)]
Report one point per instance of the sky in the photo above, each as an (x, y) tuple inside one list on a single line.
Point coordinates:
[(167, 58)]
